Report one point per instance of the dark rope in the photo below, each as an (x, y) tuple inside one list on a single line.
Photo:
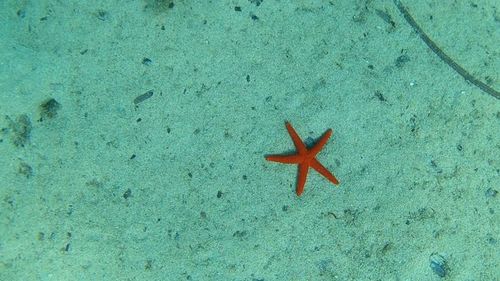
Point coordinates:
[(442, 55)]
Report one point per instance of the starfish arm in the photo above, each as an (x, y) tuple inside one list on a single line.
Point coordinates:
[(302, 177), (322, 141), (316, 165), (299, 145), (287, 159)]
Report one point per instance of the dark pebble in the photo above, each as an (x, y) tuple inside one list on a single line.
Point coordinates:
[(490, 192)]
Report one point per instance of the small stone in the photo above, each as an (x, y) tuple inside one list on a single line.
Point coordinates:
[(490, 192), (438, 264), (48, 109)]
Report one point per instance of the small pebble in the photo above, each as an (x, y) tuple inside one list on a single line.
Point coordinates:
[(438, 264), (147, 61), (143, 97), (490, 192), (48, 109)]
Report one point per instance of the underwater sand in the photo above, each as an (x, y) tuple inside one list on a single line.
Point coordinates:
[(133, 136)]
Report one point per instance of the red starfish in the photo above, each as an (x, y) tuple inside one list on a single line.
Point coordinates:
[(305, 158)]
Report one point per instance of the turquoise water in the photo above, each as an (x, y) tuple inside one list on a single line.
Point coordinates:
[(133, 135)]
